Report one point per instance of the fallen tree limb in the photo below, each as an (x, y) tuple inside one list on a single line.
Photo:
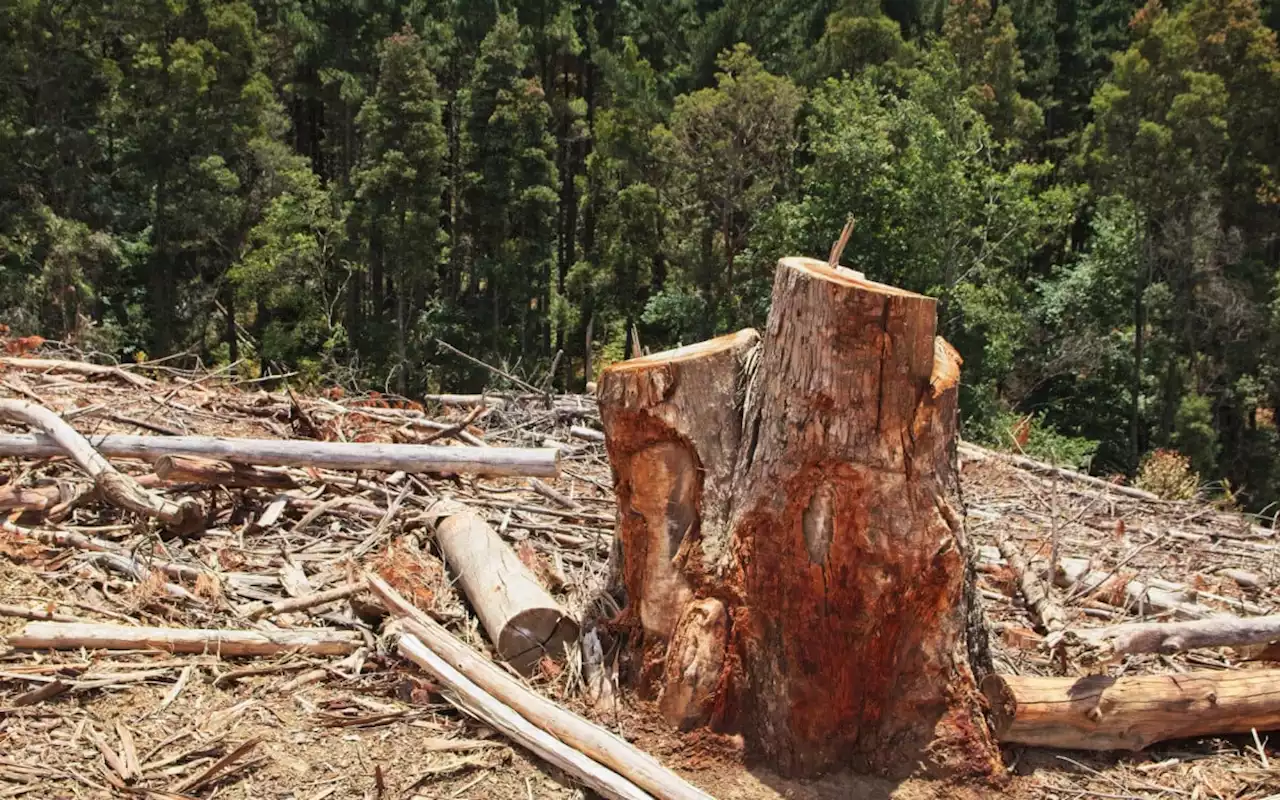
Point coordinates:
[(323, 455), (1174, 637), (93, 544), (184, 469), (464, 400), (94, 636), (308, 600), (586, 737), (1060, 472), (33, 498), (77, 367), (1035, 592), (184, 516), (36, 613), (491, 711), (589, 434), (554, 495), (523, 620), (1131, 712)]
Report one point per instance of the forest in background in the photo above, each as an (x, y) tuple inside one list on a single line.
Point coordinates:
[(1091, 189)]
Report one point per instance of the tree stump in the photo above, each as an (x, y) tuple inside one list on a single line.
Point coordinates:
[(673, 455), (833, 560)]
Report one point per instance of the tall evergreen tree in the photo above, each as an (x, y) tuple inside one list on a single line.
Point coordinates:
[(399, 183)]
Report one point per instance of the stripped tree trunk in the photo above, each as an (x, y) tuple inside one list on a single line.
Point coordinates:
[(805, 512)]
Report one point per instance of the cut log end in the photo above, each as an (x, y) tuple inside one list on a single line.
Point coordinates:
[(534, 634)]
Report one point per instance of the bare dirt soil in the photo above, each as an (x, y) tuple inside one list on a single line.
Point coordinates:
[(369, 725)]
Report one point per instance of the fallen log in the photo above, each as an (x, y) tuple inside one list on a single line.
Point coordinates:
[(31, 498), (323, 455), (465, 400), (94, 636), (76, 367), (583, 432), (523, 620), (1174, 637), (184, 516), (585, 737), (1031, 465), (184, 469), (477, 702), (1131, 712), (1037, 594)]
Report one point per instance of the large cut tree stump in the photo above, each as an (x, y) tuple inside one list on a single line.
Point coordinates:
[(791, 536)]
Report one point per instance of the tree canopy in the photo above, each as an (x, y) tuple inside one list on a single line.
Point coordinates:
[(328, 187)]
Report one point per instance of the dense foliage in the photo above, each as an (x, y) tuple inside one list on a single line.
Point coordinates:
[(1090, 188)]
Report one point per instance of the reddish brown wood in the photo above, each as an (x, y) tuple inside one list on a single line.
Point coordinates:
[(815, 497), (672, 428)]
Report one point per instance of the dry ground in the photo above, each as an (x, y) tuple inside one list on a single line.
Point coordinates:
[(370, 726)]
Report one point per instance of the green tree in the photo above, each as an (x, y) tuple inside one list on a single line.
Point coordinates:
[(511, 194), (1178, 130), (732, 145), (984, 44), (932, 213), (399, 183)]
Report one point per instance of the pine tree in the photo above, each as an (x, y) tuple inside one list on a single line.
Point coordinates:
[(511, 194), (399, 183)]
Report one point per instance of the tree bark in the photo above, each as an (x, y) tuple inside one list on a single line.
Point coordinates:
[(672, 432), (791, 534), (1131, 712)]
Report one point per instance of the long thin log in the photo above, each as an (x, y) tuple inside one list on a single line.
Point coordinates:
[(77, 367), (1032, 465), (523, 620), (184, 516), (184, 469), (7, 610), (583, 432), (1035, 592), (554, 495), (584, 736), (479, 703), (1174, 637), (464, 400), (1131, 712), (323, 455), (94, 636)]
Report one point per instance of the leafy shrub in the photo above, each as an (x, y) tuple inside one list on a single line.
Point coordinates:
[(1033, 437), (1168, 475)]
